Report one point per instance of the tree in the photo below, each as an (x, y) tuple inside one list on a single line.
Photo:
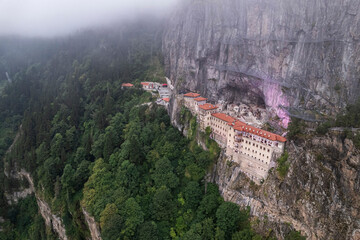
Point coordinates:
[(163, 207), (163, 174), (67, 179), (192, 194), (228, 217), (81, 175), (194, 172), (128, 176), (148, 231), (133, 217), (111, 222), (294, 235), (208, 205), (191, 235), (245, 234), (57, 145)]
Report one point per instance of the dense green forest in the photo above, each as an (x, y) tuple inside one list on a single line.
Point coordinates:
[(89, 143)]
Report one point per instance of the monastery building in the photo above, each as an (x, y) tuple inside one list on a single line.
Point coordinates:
[(254, 149)]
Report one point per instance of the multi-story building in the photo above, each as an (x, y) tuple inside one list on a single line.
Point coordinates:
[(148, 85), (254, 149), (220, 125), (204, 114), (199, 101), (189, 101)]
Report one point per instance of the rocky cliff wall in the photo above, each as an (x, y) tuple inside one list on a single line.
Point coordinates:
[(319, 196), (92, 225), (297, 58), (51, 220)]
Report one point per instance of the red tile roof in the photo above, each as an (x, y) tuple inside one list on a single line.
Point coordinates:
[(166, 99), (145, 83), (127, 85), (200, 99), (240, 126), (224, 117), (208, 106), (192, 95), (280, 138)]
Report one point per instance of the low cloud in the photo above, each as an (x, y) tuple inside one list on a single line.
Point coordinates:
[(49, 18)]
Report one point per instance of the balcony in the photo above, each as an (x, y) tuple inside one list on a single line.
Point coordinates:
[(237, 140)]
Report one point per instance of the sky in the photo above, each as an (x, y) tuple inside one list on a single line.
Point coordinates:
[(49, 18)]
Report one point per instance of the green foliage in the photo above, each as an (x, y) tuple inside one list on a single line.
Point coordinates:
[(294, 235), (134, 217), (283, 164), (89, 143), (164, 175), (228, 218), (323, 128), (185, 115), (192, 194), (148, 231), (111, 222), (25, 222), (351, 118), (163, 207), (295, 129)]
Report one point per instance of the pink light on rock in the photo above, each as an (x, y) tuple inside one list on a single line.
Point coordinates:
[(275, 100)]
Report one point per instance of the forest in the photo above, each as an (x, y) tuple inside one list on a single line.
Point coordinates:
[(89, 143)]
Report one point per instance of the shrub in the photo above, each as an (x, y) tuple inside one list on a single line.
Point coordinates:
[(323, 128), (283, 164)]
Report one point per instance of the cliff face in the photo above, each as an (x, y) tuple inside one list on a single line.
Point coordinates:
[(51, 220), (295, 57), (319, 196)]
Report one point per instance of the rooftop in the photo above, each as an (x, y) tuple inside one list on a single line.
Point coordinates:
[(208, 106), (127, 85), (240, 126), (145, 83), (224, 117), (166, 99), (200, 99), (192, 95)]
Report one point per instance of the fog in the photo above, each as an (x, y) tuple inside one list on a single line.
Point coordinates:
[(49, 18)]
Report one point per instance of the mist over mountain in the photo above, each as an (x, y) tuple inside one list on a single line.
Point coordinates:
[(43, 18), (88, 152)]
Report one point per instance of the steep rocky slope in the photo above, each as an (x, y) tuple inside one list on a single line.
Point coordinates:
[(295, 57), (319, 196)]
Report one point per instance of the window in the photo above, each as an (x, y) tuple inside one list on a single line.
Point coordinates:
[(268, 150)]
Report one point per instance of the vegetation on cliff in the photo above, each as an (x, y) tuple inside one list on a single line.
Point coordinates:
[(86, 141)]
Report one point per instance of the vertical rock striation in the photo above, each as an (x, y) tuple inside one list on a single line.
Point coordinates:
[(295, 57), (92, 225), (319, 196)]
